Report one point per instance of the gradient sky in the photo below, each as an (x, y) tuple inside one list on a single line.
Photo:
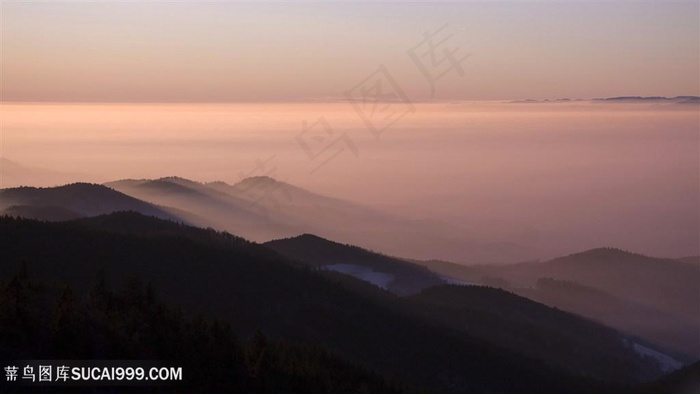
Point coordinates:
[(217, 52)]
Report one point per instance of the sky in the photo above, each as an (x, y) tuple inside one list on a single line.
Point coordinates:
[(224, 51), (102, 91)]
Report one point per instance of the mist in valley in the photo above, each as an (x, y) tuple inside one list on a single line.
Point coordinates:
[(471, 182)]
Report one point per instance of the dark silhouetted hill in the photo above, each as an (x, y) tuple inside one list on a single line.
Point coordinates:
[(42, 212), (81, 199), (517, 323), (399, 276), (39, 320), (655, 298), (252, 287), (683, 381)]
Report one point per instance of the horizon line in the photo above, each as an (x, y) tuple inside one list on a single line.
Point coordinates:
[(333, 100)]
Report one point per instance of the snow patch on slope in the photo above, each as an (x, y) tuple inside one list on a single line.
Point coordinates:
[(666, 362)]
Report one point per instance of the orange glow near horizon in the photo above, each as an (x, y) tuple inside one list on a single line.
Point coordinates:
[(224, 52)]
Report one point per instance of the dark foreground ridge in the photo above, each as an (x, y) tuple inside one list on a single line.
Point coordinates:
[(250, 288)]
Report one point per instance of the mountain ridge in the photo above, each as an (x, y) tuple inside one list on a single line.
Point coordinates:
[(252, 287), (86, 199), (406, 278)]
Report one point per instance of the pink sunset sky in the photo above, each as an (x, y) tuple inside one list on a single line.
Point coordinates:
[(239, 51), (204, 90)]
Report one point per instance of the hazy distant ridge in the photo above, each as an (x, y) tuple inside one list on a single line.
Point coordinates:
[(619, 99)]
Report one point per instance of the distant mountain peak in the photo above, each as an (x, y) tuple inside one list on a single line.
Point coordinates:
[(85, 199), (311, 236), (178, 180), (313, 239), (621, 99), (81, 187), (258, 179), (399, 276), (262, 182), (76, 186), (652, 99), (606, 252)]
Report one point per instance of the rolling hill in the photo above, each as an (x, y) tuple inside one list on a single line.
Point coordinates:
[(74, 200), (213, 208), (262, 208), (489, 314), (253, 287), (665, 284), (395, 275), (517, 323), (654, 298)]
